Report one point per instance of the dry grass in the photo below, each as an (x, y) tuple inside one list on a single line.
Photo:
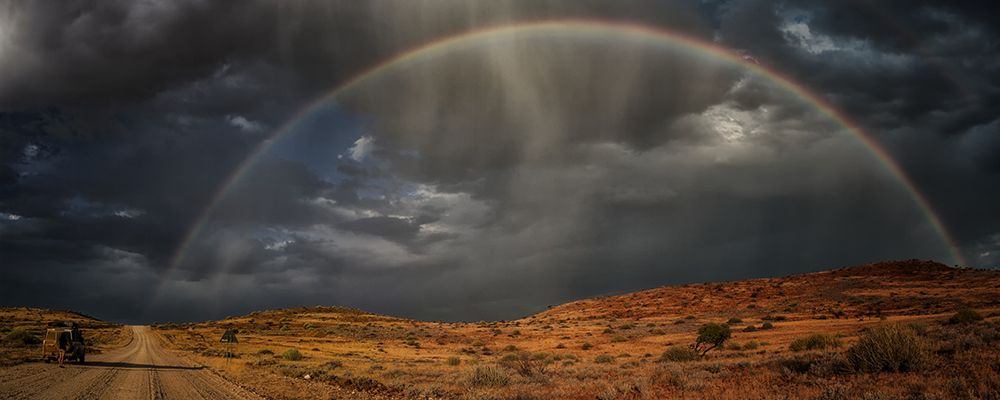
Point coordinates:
[(353, 354), (22, 328), (576, 350)]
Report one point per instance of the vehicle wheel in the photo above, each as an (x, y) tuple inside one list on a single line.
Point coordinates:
[(81, 358)]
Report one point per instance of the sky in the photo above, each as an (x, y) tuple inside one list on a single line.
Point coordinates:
[(460, 160)]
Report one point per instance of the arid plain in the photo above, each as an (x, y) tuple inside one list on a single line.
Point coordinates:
[(908, 329)]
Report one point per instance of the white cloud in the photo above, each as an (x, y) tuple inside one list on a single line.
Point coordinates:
[(244, 124), (10, 217), (361, 149), (278, 245), (850, 49), (128, 213), (799, 33)]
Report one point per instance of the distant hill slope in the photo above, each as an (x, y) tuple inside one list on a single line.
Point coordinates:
[(906, 287)]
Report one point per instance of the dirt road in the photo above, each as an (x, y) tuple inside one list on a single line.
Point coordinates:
[(142, 369)]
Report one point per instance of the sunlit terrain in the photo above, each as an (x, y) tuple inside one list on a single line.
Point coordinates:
[(499, 199)]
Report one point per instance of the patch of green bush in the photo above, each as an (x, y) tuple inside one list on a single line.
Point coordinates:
[(889, 348), (490, 376), (292, 355), (453, 361), (734, 320), (604, 359), (965, 316), (679, 354), (587, 346), (819, 341), (20, 337)]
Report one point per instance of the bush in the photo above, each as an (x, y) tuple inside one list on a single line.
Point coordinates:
[(819, 341), (965, 316), (524, 363), (618, 339), (586, 346), (490, 376), (711, 336), (604, 359), (20, 337), (888, 347), (750, 328), (510, 347), (292, 355), (766, 326), (734, 320), (454, 361), (678, 354)]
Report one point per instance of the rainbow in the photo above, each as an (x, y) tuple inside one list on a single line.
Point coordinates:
[(652, 36)]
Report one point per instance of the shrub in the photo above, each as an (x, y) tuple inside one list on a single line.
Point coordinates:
[(586, 346), (510, 347), (888, 347), (819, 341), (679, 353), (453, 361), (265, 352), (490, 376), (20, 337), (751, 345), (965, 316), (524, 363), (711, 336), (734, 320), (618, 339), (603, 359), (292, 355), (767, 325), (478, 343)]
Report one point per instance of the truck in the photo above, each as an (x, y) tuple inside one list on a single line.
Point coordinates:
[(63, 341)]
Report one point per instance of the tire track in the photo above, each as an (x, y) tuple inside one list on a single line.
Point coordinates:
[(140, 369)]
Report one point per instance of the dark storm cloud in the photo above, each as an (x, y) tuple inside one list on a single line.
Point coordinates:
[(920, 76), (494, 180)]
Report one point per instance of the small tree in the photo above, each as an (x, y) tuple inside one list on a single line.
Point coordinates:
[(711, 336)]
